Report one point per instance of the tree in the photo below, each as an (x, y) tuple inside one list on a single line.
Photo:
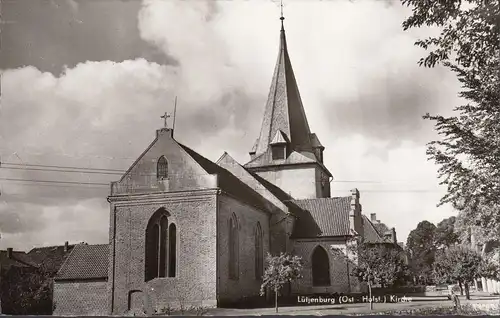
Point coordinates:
[(280, 270), (468, 151), (490, 268), (375, 263), (26, 291), (445, 235), (458, 264), (421, 247)]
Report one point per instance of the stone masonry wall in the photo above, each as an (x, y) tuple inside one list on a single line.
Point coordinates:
[(194, 214), (80, 298), (247, 284)]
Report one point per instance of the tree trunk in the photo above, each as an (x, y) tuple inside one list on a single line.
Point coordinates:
[(461, 288), (276, 299), (370, 295), (467, 294)]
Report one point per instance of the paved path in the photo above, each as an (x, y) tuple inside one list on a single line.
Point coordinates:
[(360, 308)]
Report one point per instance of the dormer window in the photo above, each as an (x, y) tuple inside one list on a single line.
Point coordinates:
[(278, 146), (162, 168), (278, 152)]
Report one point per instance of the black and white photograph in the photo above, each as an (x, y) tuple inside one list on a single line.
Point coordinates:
[(249, 157)]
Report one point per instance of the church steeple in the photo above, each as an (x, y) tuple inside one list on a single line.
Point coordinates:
[(286, 153), (284, 111)]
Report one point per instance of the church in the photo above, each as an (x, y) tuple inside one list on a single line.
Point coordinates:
[(188, 231)]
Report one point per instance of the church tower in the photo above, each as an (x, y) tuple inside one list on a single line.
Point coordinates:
[(286, 153)]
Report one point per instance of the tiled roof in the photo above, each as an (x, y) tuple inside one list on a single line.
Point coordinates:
[(19, 259), (381, 228), (322, 217), (85, 262), (50, 257), (370, 233), (228, 182)]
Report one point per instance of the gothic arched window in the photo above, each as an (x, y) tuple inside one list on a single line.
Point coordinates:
[(157, 246), (320, 267), (259, 253), (162, 168), (233, 248), (172, 250)]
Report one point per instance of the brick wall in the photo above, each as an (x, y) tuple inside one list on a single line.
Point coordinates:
[(246, 285), (194, 214), (183, 171), (339, 278), (80, 298)]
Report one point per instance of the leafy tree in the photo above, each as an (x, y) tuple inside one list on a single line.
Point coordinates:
[(375, 263), (280, 270), (421, 247), (468, 152), (445, 235), (26, 291), (458, 264), (490, 268)]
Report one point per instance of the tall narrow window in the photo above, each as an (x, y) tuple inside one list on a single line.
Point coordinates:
[(233, 248), (172, 252), (162, 265), (259, 253), (162, 168), (320, 267), (152, 246)]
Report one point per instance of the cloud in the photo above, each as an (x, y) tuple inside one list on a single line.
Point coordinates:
[(362, 79), (356, 69), (51, 34), (86, 221)]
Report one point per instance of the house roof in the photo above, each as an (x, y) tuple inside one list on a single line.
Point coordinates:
[(381, 228), (228, 182), (18, 259), (370, 233), (85, 262), (322, 217), (50, 257)]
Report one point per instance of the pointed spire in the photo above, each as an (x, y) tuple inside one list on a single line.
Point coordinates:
[(284, 110), (282, 17)]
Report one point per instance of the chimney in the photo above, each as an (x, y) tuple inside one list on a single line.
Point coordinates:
[(393, 234), (373, 217), (9, 252), (66, 247), (354, 214)]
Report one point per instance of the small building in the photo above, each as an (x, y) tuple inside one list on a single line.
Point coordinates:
[(80, 286)]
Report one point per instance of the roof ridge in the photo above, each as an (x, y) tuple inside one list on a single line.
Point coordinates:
[(50, 246), (331, 198), (63, 265)]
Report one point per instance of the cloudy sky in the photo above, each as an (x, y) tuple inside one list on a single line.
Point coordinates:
[(84, 84)]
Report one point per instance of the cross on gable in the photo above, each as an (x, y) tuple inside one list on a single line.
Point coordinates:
[(165, 116)]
